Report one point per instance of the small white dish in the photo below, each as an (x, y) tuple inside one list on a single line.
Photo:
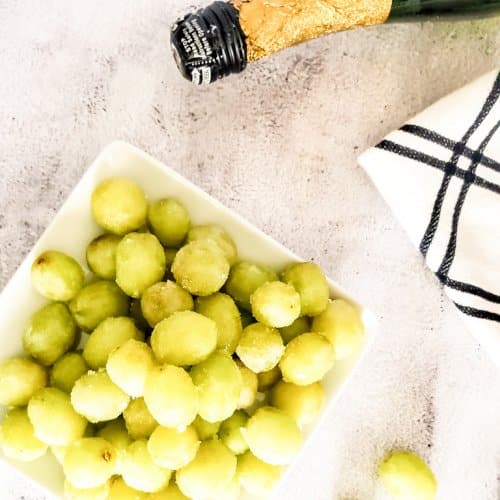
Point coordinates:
[(72, 229)]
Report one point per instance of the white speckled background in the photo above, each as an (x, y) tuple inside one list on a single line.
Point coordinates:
[(278, 145)]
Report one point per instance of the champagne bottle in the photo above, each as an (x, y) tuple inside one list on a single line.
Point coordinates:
[(222, 38)]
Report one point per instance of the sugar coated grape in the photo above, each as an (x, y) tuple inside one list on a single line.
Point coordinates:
[(54, 419), (307, 359), (244, 279), (301, 402), (256, 476), (171, 448), (260, 347), (128, 366), (267, 379), (20, 378), (140, 263), (110, 334), (273, 436), (96, 302), (50, 333), (275, 304), (138, 419), (222, 309), (217, 235), (67, 370), (230, 432), (201, 267), (101, 256), (205, 430), (341, 324), (119, 205), (171, 396), (299, 326), (184, 338), (116, 434), (308, 279), (97, 398), (56, 276), (120, 490), (211, 471), (219, 383), (407, 477), (140, 472), (169, 221), (98, 493), (17, 437), (249, 386), (162, 299), (171, 492), (89, 462)]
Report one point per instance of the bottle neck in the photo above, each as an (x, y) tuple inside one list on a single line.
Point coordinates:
[(417, 9)]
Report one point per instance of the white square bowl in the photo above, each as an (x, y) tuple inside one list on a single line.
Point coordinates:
[(72, 229)]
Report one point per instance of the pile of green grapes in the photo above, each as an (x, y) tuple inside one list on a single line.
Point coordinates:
[(174, 370)]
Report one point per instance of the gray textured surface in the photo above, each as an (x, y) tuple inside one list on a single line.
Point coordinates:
[(279, 146)]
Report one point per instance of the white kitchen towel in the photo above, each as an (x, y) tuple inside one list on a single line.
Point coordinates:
[(440, 174)]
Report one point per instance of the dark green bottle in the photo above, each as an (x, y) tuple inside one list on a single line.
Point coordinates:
[(223, 37)]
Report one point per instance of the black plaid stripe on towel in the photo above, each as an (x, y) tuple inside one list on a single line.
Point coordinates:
[(440, 174)]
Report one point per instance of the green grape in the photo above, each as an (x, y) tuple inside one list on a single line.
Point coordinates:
[(67, 370), (58, 452), (211, 471), (302, 402), (171, 492), (267, 379), (54, 419), (308, 279), (97, 398), (272, 436), (222, 309), (20, 378), (17, 437), (98, 493), (205, 430), (138, 420), (116, 433), (135, 312), (50, 333), (119, 205), (171, 396), (110, 334), (260, 347), (163, 299), (140, 263), (169, 221), (249, 386), (89, 462), (407, 477), (56, 276), (341, 324), (217, 235), (219, 383), (307, 359), (256, 476), (171, 448), (275, 304), (128, 366), (244, 279), (96, 302), (298, 327), (246, 318), (119, 490), (140, 472), (184, 338), (101, 256), (230, 432), (201, 267)]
